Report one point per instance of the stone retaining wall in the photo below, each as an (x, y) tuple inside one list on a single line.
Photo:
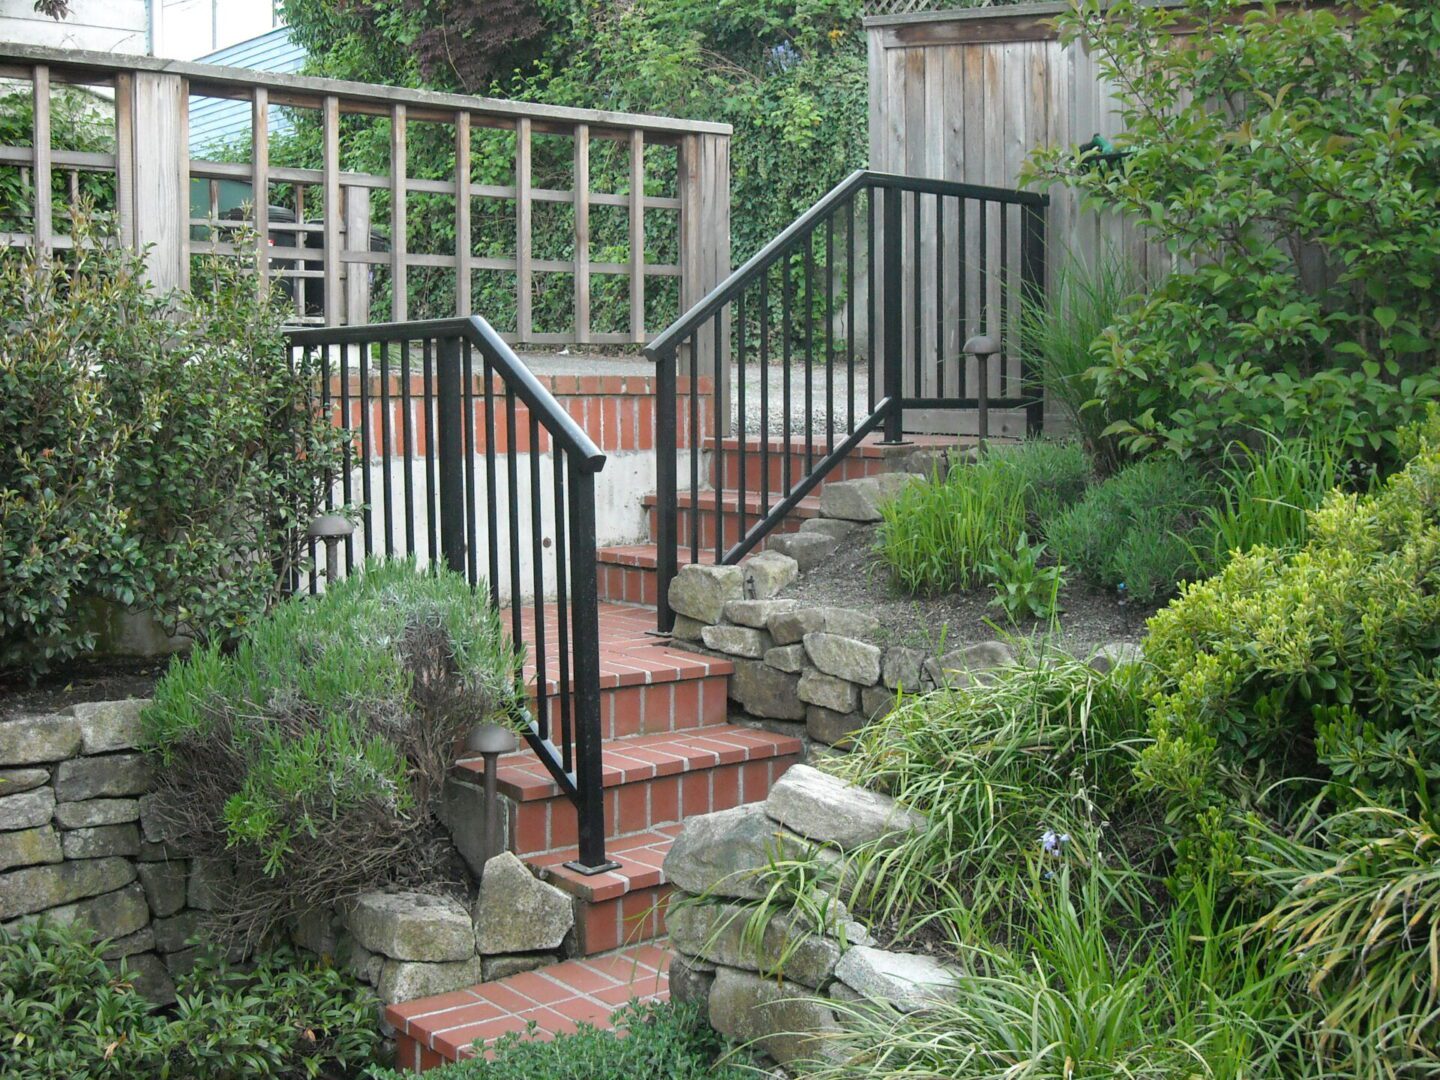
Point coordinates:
[(780, 977), (822, 672), (79, 844)]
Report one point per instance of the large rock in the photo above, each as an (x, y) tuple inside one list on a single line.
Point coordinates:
[(147, 974), (876, 701), (178, 932), (719, 854), (406, 980), (789, 658), (701, 591), (164, 884), (833, 528), (109, 725), (790, 627), (36, 888), (807, 549), (412, 926), (782, 1018), (27, 810), (1116, 654), (212, 883), (502, 967), (29, 847), (902, 668), (761, 690), (317, 930), (845, 658), (905, 981), (965, 666), (736, 640), (517, 912), (828, 692), (14, 781), (690, 983), (830, 727), (722, 934), (34, 740), (826, 809), (92, 812), (767, 573), (860, 500), (115, 915), (102, 840), (464, 813), (756, 613), (686, 628), (104, 776)]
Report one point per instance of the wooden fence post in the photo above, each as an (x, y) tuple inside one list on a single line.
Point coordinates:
[(160, 187)]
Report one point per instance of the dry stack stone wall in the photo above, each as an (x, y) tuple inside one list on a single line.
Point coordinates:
[(780, 978), (77, 846)]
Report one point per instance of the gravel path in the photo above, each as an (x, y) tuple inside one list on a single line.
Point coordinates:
[(819, 385)]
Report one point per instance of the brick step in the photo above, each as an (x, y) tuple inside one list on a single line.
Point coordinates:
[(734, 517), (771, 458), (649, 781), (626, 572), (434, 1031), (619, 907)]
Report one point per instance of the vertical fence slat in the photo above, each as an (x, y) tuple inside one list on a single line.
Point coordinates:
[(43, 220), (399, 281), (524, 275), (581, 188), (332, 211), (637, 236), (462, 215), (125, 156), (260, 188)]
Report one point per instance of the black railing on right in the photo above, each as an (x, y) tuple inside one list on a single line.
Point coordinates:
[(851, 321), (451, 432)]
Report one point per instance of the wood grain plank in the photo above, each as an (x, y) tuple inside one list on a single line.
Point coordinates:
[(260, 183), (637, 237), (581, 170), (399, 264), (330, 136), (43, 218), (524, 275), (463, 244)]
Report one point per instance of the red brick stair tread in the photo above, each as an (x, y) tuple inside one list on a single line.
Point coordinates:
[(641, 858), (556, 998)]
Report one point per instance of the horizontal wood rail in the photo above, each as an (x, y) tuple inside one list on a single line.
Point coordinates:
[(314, 228)]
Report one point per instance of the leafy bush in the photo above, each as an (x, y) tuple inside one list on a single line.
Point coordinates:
[(650, 1040), (1058, 336), (1265, 497), (65, 1013), (1024, 588), (1135, 529), (160, 452), (1054, 473), (1324, 659), (1289, 166), (939, 534), (311, 754)]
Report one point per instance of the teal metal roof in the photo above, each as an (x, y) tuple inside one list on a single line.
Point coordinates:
[(221, 121)]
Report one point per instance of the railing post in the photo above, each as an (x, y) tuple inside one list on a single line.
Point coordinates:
[(585, 616), (1032, 291), (893, 241), (666, 452), (448, 403)]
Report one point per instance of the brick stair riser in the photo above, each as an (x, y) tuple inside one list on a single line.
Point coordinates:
[(627, 920), (730, 525), (627, 584), (756, 468), (540, 826)]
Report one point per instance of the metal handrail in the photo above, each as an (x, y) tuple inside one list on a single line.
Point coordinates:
[(565, 732), (704, 334)]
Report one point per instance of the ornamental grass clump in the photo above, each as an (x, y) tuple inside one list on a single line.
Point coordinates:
[(312, 755)]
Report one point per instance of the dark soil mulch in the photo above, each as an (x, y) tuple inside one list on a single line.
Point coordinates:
[(855, 577), (77, 681)]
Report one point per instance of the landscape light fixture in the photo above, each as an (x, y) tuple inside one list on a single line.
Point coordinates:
[(490, 741), (982, 347), (332, 528)]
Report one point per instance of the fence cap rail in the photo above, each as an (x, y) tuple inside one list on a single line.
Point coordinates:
[(559, 423), (305, 90)]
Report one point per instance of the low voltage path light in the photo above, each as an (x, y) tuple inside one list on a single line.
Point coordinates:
[(332, 528), (490, 741), (982, 347)]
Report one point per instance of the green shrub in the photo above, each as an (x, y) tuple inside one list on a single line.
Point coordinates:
[(1054, 473), (650, 1041), (1288, 167), (1024, 588), (1265, 497), (1058, 336), (65, 1013), (1320, 662), (1135, 529), (312, 753), (159, 452)]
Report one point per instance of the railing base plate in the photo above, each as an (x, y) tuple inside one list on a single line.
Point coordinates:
[(590, 871)]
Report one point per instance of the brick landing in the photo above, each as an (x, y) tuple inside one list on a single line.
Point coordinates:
[(441, 1029)]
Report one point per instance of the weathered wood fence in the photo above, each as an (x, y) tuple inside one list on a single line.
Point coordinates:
[(967, 94), (328, 253)]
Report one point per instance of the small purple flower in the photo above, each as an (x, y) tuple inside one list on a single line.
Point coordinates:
[(783, 56), (1053, 843)]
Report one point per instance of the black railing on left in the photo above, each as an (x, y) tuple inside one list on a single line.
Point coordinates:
[(450, 431), (853, 320)]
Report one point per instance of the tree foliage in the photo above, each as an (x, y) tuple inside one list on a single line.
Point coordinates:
[(1292, 167)]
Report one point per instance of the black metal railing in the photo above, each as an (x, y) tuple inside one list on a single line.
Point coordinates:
[(851, 318), (450, 431)]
